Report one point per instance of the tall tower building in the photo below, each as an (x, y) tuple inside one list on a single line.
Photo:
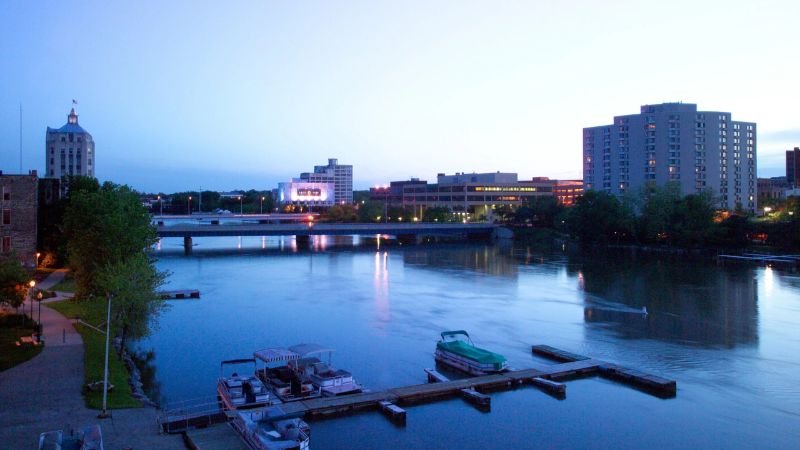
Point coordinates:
[(69, 150), (674, 142), (793, 167), (340, 175)]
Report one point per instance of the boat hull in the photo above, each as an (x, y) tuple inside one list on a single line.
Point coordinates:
[(465, 364)]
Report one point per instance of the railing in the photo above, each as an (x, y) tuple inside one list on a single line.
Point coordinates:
[(179, 416)]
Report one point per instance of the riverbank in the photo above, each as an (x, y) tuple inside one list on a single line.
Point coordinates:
[(44, 394), (93, 311)]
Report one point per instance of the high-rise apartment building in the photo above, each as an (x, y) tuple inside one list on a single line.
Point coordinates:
[(340, 175), (674, 142), (793, 167), (69, 150)]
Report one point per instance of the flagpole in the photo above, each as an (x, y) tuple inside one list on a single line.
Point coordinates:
[(20, 138)]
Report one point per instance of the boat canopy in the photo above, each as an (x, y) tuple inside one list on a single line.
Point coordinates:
[(453, 333), (269, 355), (306, 350)]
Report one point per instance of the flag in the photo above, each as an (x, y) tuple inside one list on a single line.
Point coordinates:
[(74, 102)]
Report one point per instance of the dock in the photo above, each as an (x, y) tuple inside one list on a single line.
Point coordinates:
[(760, 258), (475, 389), (179, 294)]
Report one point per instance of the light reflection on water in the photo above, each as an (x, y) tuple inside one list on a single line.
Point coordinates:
[(727, 334)]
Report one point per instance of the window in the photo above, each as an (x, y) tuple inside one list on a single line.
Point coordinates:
[(6, 195), (6, 217), (6, 244)]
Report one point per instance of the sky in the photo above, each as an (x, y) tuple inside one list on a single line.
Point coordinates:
[(240, 95)]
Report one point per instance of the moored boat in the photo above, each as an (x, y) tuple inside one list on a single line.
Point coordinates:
[(327, 379), (279, 376), (456, 350), (270, 429), (240, 391)]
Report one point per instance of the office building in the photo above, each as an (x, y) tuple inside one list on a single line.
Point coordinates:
[(474, 194), (18, 212), (69, 151), (793, 167), (674, 142), (341, 176)]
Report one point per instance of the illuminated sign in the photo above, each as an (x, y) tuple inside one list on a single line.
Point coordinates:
[(309, 192)]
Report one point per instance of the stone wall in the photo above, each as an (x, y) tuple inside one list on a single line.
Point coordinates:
[(18, 202)]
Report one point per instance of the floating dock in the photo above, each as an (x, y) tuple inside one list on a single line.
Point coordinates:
[(179, 294), (474, 389)]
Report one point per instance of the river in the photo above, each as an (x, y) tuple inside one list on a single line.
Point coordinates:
[(728, 335)]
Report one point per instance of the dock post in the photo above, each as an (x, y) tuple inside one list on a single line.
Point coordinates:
[(481, 401), (187, 245), (395, 413)]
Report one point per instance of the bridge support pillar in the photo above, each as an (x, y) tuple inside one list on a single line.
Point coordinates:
[(302, 240), (410, 238), (187, 244)]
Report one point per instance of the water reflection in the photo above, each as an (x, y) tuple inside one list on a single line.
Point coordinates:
[(688, 303), (490, 260)]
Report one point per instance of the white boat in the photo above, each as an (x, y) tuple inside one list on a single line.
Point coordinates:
[(273, 368), (327, 379), (240, 391), (88, 438), (270, 429), (456, 350)]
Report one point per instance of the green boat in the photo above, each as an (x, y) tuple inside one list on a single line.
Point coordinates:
[(457, 350)]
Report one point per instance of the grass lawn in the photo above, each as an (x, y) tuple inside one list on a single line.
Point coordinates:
[(11, 329), (66, 285), (94, 312)]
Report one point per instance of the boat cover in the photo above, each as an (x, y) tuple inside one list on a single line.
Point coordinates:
[(269, 355), (309, 349), (466, 350)]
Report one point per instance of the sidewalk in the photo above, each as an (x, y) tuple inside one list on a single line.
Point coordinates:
[(44, 394)]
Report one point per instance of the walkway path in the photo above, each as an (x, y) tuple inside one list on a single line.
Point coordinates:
[(44, 394)]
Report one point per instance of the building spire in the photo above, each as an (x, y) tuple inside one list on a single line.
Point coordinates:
[(72, 117)]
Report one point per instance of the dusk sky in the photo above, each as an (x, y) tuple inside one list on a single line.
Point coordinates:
[(227, 95)]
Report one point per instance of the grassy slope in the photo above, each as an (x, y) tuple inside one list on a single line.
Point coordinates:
[(94, 312), (66, 285), (11, 329)]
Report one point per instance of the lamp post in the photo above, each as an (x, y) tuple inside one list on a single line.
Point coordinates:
[(37, 259), (160, 206), (32, 283), (103, 414), (189, 206), (262, 204), (240, 205), (39, 333)]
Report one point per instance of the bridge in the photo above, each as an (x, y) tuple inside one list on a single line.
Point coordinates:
[(406, 232)]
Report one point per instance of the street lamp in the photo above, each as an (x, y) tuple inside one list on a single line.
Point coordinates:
[(37, 259), (160, 206), (262, 204), (189, 205), (240, 205), (39, 333), (32, 283), (103, 414)]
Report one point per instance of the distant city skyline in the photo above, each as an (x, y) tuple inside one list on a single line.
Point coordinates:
[(180, 96)]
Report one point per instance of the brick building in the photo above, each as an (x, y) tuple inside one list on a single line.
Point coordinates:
[(18, 211)]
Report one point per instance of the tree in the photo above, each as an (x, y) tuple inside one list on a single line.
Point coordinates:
[(599, 217), (103, 228), (132, 284), (13, 282), (370, 210), (437, 214)]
